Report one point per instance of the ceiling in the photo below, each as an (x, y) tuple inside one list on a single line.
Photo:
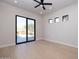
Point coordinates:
[(29, 5)]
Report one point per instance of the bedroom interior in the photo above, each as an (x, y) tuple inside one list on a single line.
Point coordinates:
[(39, 29)]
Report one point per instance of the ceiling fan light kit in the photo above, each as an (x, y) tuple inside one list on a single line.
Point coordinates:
[(41, 3)]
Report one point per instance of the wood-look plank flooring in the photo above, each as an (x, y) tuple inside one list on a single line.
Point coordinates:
[(39, 50)]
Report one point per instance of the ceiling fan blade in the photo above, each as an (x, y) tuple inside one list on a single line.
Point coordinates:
[(47, 3), (36, 1), (44, 7), (42, 1), (37, 6)]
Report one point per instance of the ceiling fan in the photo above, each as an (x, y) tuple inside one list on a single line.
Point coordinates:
[(42, 3)]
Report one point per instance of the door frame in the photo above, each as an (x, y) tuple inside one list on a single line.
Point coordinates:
[(26, 29)]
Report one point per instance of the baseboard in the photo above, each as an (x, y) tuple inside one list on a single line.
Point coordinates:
[(38, 39), (62, 43), (7, 45), (12, 44)]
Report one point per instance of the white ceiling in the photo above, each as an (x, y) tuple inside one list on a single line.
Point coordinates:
[(29, 5)]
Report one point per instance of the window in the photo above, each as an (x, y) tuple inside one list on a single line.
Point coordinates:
[(25, 29), (56, 20), (50, 21), (65, 18)]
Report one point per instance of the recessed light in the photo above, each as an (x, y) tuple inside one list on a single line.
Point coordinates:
[(15, 1)]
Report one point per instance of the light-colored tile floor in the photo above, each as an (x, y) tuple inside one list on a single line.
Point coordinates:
[(39, 50)]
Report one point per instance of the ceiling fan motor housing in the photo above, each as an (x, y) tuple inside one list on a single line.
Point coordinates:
[(42, 3)]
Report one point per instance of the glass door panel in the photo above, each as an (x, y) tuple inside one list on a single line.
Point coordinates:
[(30, 30), (21, 29)]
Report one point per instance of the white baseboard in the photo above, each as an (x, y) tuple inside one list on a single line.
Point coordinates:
[(74, 46), (12, 44), (38, 39), (7, 45)]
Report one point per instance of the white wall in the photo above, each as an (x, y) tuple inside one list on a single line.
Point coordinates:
[(63, 32), (7, 23)]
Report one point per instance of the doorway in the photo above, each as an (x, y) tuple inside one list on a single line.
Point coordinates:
[(25, 29)]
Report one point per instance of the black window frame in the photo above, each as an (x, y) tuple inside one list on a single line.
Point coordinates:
[(26, 29)]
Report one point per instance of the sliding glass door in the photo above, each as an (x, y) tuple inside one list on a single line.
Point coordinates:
[(30, 29), (25, 29)]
